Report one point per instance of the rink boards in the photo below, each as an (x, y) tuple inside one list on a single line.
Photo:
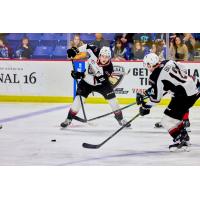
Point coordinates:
[(50, 81)]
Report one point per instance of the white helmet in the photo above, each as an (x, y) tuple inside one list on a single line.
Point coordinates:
[(105, 51), (150, 60)]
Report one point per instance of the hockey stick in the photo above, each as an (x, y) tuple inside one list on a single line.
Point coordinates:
[(83, 109), (97, 146), (104, 115)]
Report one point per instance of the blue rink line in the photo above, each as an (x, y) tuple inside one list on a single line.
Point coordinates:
[(134, 154), (32, 114)]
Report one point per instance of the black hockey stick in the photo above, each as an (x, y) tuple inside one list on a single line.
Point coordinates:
[(97, 146), (104, 115), (83, 109)]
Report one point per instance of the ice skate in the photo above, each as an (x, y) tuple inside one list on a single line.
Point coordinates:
[(123, 122), (181, 143), (66, 123)]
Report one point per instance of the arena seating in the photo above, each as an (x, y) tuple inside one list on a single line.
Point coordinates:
[(43, 52), (59, 52), (54, 45), (49, 45)]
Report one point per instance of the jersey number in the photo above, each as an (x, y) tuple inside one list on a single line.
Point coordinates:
[(176, 74)]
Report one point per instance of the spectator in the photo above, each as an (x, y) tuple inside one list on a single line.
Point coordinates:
[(77, 42), (159, 49), (125, 37), (138, 52), (25, 50), (4, 49), (178, 50), (119, 50), (100, 42), (190, 43), (174, 35)]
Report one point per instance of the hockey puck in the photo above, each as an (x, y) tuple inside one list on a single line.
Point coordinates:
[(53, 140)]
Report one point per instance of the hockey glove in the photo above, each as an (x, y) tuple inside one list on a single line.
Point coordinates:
[(144, 109), (139, 98), (71, 53), (77, 75)]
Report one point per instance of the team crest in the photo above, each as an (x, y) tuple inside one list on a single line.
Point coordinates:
[(117, 76)]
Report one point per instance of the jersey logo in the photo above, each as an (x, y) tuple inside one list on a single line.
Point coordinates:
[(117, 76)]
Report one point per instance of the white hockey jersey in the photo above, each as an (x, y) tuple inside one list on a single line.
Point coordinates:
[(94, 68), (170, 76)]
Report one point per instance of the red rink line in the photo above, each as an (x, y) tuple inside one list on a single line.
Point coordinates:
[(67, 60)]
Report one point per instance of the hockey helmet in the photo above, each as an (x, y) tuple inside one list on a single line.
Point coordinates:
[(105, 51), (150, 60)]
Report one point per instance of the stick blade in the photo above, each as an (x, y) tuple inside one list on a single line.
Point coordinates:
[(90, 146)]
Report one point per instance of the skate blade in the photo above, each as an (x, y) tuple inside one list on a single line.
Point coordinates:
[(182, 149), (82, 125), (65, 127), (159, 127)]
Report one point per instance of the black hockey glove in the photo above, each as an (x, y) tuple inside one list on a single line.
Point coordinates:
[(139, 98), (77, 75), (144, 109), (71, 53)]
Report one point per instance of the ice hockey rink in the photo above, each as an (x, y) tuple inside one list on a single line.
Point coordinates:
[(29, 128)]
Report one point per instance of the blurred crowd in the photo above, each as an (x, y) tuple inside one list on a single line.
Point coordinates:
[(124, 46)]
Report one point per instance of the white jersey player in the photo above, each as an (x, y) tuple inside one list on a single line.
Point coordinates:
[(171, 76), (94, 79)]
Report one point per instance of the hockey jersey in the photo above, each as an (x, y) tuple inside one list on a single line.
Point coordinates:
[(95, 68), (170, 76)]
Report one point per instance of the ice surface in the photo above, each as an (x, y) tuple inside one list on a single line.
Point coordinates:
[(29, 128)]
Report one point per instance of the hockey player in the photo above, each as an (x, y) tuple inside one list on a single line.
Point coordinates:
[(94, 79), (171, 76)]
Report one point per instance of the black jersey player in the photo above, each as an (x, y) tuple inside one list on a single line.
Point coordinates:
[(171, 76), (94, 79)]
